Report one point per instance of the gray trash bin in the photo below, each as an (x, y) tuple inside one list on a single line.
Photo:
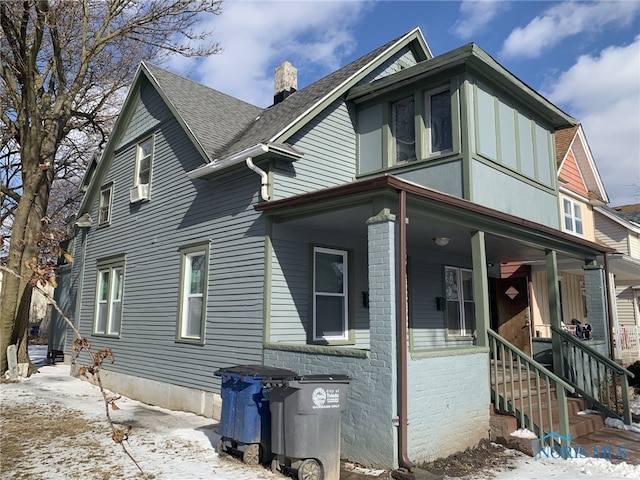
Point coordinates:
[(305, 424)]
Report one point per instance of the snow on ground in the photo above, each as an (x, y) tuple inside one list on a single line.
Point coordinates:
[(173, 445)]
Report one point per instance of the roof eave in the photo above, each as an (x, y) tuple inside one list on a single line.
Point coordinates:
[(255, 151)]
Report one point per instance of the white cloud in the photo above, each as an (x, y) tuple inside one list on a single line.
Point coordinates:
[(565, 20), (257, 36), (603, 92), (476, 15)]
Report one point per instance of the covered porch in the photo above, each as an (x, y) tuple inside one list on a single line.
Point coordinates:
[(413, 334)]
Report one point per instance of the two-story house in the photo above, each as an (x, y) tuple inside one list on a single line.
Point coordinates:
[(581, 192), (358, 226), (615, 227)]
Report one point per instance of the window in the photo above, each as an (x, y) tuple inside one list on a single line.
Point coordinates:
[(330, 294), (461, 310), (144, 156), (104, 215), (193, 293), (438, 122), (572, 217), (109, 294), (404, 130)]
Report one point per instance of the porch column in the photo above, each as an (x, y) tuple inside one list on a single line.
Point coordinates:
[(556, 341), (596, 300), (382, 321), (555, 313), (480, 288)]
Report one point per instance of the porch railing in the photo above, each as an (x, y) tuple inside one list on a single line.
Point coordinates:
[(522, 387), (601, 381)]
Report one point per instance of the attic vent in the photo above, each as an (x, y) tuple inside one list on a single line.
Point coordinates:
[(286, 82)]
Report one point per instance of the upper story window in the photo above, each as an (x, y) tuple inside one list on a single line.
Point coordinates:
[(461, 310), (572, 216), (396, 132), (109, 297), (144, 156), (104, 214), (438, 121), (403, 128), (142, 176), (194, 265), (330, 294)]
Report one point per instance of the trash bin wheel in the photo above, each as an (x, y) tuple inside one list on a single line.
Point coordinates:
[(251, 455), (275, 466), (310, 469), (220, 449)]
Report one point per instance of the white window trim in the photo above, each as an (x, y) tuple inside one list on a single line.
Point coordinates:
[(461, 303), (101, 205), (344, 294), (186, 254), (111, 303), (139, 158), (575, 207), (427, 121)]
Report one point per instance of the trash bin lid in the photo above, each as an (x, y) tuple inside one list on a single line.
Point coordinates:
[(322, 379), (260, 371)]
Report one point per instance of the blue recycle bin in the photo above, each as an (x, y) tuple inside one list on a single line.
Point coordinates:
[(245, 421)]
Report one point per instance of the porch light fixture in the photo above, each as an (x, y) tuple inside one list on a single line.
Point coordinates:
[(441, 241)]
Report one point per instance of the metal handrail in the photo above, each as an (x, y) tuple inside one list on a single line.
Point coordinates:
[(522, 375), (596, 377)]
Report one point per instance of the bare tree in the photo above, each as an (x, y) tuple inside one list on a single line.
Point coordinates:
[(63, 68)]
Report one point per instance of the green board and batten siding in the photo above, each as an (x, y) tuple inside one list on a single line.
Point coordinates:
[(180, 212)]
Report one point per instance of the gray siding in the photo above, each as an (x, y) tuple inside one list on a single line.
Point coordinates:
[(180, 212), (329, 146), (291, 280), (611, 233), (401, 60), (625, 298), (500, 191), (445, 177), (149, 113)]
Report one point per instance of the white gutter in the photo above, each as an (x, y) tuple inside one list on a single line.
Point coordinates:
[(239, 157)]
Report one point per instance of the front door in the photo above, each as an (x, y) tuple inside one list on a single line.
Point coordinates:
[(511, 302)]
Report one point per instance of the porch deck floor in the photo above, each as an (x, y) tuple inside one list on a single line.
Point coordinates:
[(612, 437)]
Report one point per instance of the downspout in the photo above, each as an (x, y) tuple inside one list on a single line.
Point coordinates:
[(403, 459), (264, 192), (612, 353)]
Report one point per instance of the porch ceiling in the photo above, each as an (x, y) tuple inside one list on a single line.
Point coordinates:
[(420, 235)]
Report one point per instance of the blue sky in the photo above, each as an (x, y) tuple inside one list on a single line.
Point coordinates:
[(583, 56)]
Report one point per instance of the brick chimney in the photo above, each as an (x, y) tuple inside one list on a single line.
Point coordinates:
[(286, 82)]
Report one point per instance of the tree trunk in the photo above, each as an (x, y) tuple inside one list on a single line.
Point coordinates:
[(26, 230)]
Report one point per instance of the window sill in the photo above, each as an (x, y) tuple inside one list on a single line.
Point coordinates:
[(190, 341), (106, 335), (319, 349), (448, 352)]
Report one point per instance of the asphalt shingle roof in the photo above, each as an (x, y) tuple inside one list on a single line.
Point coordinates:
[(564, 137), (214, 117), (225, 125)]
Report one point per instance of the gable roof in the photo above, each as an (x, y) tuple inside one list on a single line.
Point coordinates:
[(213, 118), (476, 59), (222, 127), (574, 139), (278, 122)]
